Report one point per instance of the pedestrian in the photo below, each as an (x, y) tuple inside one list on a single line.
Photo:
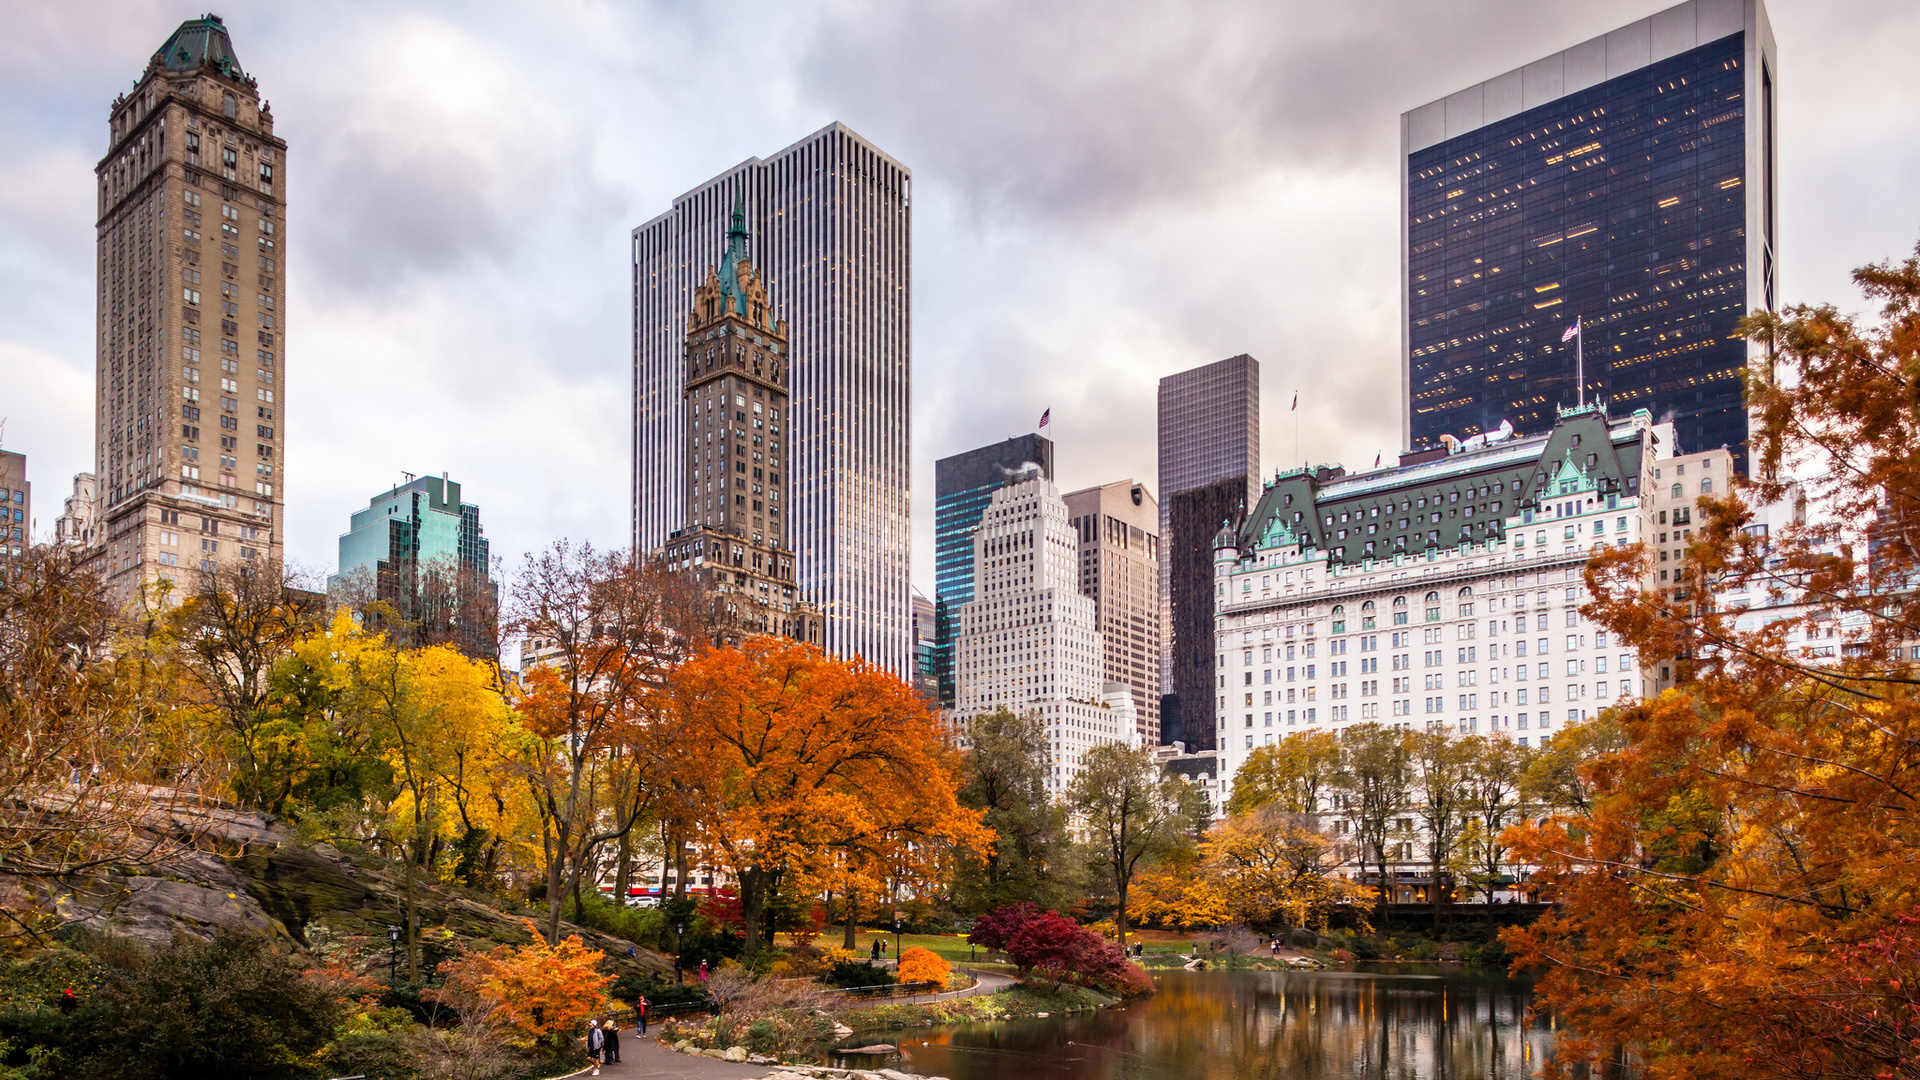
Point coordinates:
[(68, 1002), (613, 1040), (876, 950), (596, 1045), (640, 1010), (703, 971)]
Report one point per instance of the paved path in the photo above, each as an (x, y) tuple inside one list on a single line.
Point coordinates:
[(986, 982), (645, 1059)]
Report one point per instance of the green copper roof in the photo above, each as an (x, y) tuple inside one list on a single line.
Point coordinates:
[(736, 254), (199, 43)]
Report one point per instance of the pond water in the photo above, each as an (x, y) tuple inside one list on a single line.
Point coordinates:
[(1410, 1022)]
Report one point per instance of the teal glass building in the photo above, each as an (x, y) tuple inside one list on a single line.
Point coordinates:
[(422, 551), (963, 485)]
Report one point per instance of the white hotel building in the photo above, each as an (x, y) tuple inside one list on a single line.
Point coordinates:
[(1029, 641), (1440, 594)]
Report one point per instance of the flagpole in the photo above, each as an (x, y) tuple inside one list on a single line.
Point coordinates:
[(1580, 359)]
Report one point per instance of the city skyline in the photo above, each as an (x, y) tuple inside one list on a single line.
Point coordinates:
[(410, 309)]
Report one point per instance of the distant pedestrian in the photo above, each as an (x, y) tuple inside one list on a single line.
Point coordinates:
[(703, 971), (596, 1046), (68, 1002), (640, 1010), (612, 1031), (876, 950)]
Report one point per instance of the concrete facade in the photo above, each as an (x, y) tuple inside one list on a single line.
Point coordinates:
[(1119, 547)]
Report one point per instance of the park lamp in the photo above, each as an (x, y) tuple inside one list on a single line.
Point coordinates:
[(393, 934)]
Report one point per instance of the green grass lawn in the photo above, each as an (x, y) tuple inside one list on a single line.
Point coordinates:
[(954, 948)]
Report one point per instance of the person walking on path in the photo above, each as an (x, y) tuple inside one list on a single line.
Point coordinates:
[(596, 1046), (640, 1010), (612, 1031), (703, 971), (876, 950)]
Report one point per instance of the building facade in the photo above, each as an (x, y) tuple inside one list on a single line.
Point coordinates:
[(421, 550), (1471, 626), (1626, 184), (925, 682), (16, 508), (192, 318), (738, 420), (1209, 446), (76, 525), (1029, 640), (1119, 545), (963, 487), (831, 225)]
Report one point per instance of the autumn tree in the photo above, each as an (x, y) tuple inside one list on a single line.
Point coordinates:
[(88, 778), (1736, 886), (1132, 810), (1493, 780), (1294, 774), (608, 629), (231, 627), (1272, 868), (789, 757), (1004, 777), (1442, 765), (1374, 787), (539, 992)]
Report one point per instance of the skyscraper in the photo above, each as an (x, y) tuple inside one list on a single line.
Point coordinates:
[(738, 438), (1210, 443), (831, 225), (1117, 528), (191, 338), (963, 486), (1625, 185), (422, 551), (1029, 642)]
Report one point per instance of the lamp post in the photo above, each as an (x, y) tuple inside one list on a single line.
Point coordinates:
[(896, 935), (679, 948), (393, 953)]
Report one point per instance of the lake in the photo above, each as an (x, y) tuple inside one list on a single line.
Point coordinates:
[(1404, 1022)]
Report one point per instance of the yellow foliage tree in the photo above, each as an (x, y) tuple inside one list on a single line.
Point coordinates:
[(537, 991)]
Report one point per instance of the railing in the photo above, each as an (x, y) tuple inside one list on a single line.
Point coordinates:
[(885, 990)]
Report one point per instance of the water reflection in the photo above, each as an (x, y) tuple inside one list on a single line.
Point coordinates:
[(1399, 1023)]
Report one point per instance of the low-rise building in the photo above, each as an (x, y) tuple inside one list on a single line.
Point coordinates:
[(16, 508)]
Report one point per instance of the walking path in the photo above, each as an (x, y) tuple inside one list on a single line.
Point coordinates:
[(985, 982), (642, 1058)]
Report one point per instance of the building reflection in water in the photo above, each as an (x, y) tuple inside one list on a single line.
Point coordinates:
[(1400, 1023)]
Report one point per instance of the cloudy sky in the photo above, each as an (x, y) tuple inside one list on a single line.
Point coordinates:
[(1106, 192)]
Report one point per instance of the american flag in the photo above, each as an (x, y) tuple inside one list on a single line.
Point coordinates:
[(1572, 332), (1296, 402), (1046, 416)]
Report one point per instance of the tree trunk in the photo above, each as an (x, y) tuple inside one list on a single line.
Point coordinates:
[(411, 919), (753, 910), (623, 869), (853, 907), (679, 866)]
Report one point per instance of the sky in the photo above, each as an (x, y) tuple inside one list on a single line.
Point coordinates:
[(1105, 193)]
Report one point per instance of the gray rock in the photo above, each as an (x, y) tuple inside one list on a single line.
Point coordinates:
[(876, 1048), (735, 1053)]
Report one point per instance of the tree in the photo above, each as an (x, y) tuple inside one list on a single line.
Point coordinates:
[(1293, 774), (1376, 775), (790, 758), (1737, 876), (231, 629), (91, 763), (1003, 777), (1132, 810), (538, 992), (1272, 868), (1556, 775), (1493, 778), (609, 629), (1442, 765), (923, 965)]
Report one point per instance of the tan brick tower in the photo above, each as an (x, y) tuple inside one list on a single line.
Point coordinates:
[(738, 438), (191, 353)]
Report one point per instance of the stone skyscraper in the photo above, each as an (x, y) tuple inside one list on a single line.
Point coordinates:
[(963, 486), (1209, 472), (1117, 527), (831, 234), (191, 329), (738, 424), (1626, 183)]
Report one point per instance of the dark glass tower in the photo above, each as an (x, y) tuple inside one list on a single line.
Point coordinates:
[(1626, 183), (963, 485)]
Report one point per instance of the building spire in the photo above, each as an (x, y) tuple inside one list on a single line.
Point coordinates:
[(730, 286)]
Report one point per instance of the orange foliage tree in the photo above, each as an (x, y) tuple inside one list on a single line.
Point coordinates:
[(1738, 896), (537, 992), (789, 759), (923, 965)]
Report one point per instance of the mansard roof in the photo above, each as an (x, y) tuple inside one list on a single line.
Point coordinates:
[(199, 43)]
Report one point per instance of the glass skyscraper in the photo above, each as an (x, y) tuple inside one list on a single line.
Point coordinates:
[(422, 551), (963, 487), (832, 233), (1626, 183)]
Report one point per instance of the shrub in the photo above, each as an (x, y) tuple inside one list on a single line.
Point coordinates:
[(923, 965), (644, 926), (1424, 950), (1045, 942), (847, 973)]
